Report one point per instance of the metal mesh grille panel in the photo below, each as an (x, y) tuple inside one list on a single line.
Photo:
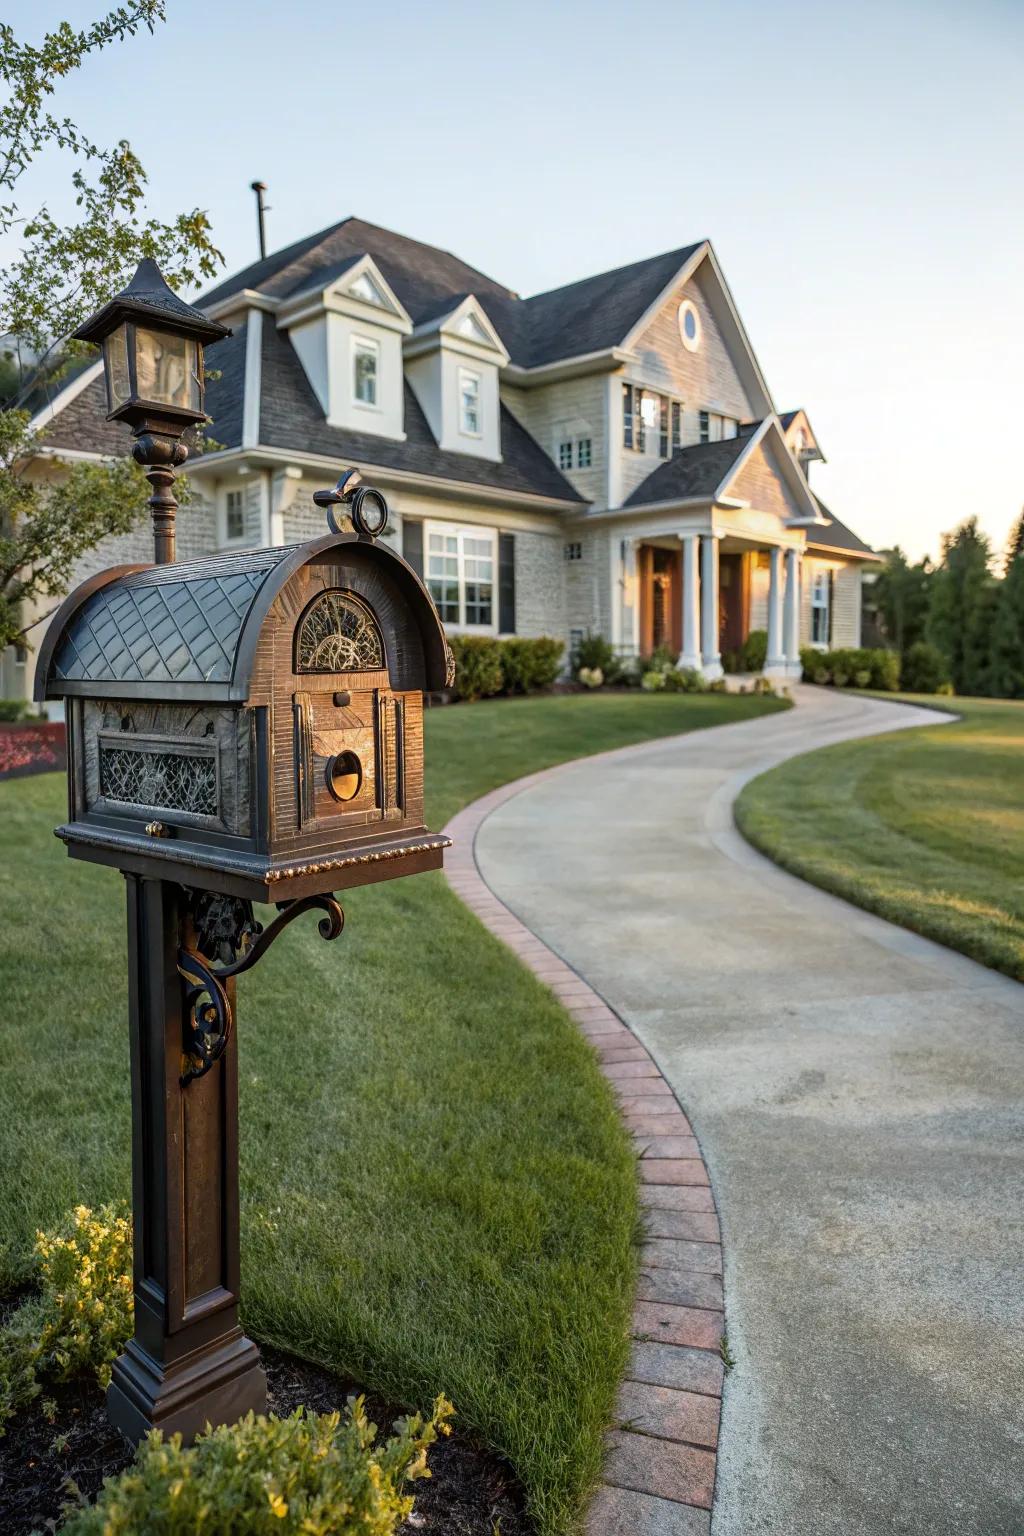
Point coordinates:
[(168, 781), (338, 634)]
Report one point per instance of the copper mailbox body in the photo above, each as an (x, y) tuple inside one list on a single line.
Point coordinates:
[(252, 723)]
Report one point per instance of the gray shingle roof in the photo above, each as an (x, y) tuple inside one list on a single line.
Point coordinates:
[(171, 623), (695, 471), (292, 417), (586, 316)]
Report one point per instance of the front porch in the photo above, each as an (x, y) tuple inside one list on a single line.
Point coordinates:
[(701, 593)]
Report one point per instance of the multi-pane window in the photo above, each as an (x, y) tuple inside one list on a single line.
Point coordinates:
[(460, 574), (820, 595), (469, 402), (584, 453), (649, 418), (365, 361), (234, 515), (565, 454), (574, 551), (705, 426)]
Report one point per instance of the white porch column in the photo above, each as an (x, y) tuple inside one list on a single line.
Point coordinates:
[(791, 616), (775, 662), (691, 602), (710, 654)]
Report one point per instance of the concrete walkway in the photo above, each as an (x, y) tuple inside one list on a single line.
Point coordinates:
[(857, 1093)]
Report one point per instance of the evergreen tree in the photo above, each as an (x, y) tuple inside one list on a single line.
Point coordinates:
[(1006, 671), (961, 607), (901, 596), (1015, 545)]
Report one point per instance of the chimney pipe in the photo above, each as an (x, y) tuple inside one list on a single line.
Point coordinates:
[(259, 187)]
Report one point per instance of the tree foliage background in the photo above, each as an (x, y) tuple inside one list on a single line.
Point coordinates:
[(61, 273)]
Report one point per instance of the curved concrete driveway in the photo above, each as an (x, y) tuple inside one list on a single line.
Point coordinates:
[(857, 1093)]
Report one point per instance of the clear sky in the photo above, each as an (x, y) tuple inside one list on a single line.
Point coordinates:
[(858, 166)]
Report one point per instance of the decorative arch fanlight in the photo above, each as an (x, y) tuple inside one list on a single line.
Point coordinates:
[(338, 633)]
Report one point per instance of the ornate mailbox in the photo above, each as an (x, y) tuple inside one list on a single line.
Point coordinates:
[(251, 724), (242, 729)]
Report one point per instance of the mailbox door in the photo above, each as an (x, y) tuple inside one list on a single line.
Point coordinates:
[(349, 757)]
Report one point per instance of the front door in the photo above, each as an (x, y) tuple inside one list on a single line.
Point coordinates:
[(660, 576), (733, 600)]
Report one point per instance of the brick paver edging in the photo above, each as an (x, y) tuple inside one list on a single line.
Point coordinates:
[(659, 1476)]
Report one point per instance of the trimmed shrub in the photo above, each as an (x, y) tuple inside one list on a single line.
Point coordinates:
[(754, 653), (924, 668), (478, 673), (596, 654), (318, 1474), (685, 680), (590, 677), (652, 681), (529, 665), (81, 1318), (661, 659), (868, 669), (14, 709)]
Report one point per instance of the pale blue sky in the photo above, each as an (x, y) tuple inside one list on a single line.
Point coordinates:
[(858, 167)]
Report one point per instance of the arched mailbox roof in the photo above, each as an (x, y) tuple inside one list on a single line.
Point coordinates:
[(190, 630)]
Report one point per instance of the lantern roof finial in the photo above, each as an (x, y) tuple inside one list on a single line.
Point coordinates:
[(149, 298)]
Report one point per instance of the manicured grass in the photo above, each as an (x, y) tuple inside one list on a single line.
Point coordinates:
[(437, 1191), (924, 827)]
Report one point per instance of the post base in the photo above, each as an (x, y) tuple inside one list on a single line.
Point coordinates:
[(689, 661), (213, 1385), (712, 668)]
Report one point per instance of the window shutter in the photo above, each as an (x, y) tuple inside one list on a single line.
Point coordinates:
[(412, 544), (507, 583), (831, 603)]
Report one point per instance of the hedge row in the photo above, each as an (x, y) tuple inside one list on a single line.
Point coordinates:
[(485, 667), (854, 668)]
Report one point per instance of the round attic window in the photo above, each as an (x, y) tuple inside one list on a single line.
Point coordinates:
[(689, 325)]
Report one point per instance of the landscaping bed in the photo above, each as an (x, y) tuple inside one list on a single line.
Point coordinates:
[(469, 1493), (437, 1192), (923, 827)]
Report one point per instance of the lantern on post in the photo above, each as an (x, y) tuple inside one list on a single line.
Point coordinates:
[(242, 729), (153, 365)]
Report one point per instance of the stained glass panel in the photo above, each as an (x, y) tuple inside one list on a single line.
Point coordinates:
[(338, 634)]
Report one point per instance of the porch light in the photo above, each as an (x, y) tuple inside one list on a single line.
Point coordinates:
[(152, 351)]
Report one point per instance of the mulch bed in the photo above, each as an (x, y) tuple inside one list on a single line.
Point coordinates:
[(470, 1492)]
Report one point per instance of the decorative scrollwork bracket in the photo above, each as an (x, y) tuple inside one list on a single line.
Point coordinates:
[(227, 927)]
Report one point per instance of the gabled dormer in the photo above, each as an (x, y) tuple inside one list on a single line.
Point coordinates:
[(347, 327), (800, 439), (452, 360)]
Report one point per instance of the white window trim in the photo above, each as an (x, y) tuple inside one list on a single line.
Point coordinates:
[(688, 307), (223, 540), (373, 346), (462, 531), (820, 581), (464, 431)]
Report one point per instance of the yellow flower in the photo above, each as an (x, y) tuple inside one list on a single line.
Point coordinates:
[(278, 1506)]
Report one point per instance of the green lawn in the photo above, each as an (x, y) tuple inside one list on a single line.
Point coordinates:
[(924, 827), (437, 1191)]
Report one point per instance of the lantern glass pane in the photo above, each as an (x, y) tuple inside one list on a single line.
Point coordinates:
[(167, 369), (119, 387)]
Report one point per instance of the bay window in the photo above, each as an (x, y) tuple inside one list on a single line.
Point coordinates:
[(461, 561)]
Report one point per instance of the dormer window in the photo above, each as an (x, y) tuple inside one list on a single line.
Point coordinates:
[(366, 289), (469, 402), (365, 368)]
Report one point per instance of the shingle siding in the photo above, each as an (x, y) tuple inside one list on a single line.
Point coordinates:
[(761, 483), (570, 409)]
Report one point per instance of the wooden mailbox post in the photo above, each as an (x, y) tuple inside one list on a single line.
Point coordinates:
[(241, 729)]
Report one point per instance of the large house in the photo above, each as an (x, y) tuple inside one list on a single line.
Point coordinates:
[(604, 457)]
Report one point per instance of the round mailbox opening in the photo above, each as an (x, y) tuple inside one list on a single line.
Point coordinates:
[(344, 776)]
